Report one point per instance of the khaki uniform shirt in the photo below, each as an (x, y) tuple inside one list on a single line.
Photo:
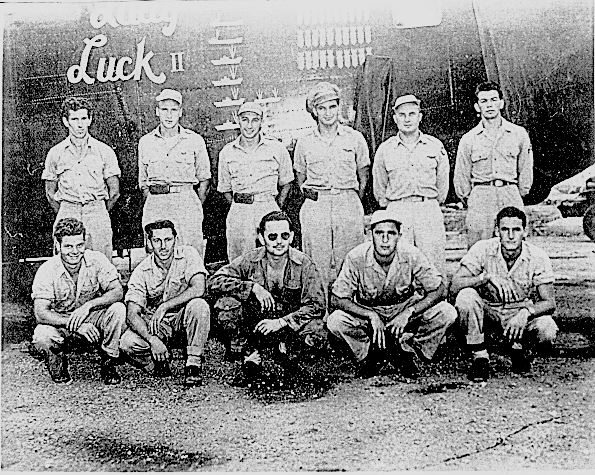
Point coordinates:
[(183, 161), (362, 278), (81, 180), (149, 286), (399, 172), (53, 282), (300, 300), (531, 269), (259, 171), (481, 159), (332, 165)]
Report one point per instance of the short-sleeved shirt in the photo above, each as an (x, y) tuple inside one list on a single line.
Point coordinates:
[(401, 172), (481, 158), (363, 279), (331, 165), (261, 170), (531, 269), (149, 285), (81, 179), (53, 282), (179, 160), (300, 300)]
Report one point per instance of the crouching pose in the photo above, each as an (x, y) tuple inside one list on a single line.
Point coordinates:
[(271, 296), (506, 282), (164, 296), (380, 312), (77, 299)]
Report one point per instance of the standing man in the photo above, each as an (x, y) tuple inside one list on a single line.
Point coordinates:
[(332, 165), (494, 166), (82, 177), (77, 297), (272, 295), (389, 300), (174, 172), (165, 296), (254, 176), (506, 282), (410, 174)]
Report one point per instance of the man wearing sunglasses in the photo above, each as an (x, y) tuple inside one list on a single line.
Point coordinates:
[(390, 302), (271, 297)]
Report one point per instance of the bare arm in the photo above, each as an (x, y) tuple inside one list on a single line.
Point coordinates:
[(547, 303), (354, 308), (283, 192), (196, 288), (203, 190), (113, 190), (46, 316), (363, 175), (51, 186), (464, 278), (136, 322), (228, 196)]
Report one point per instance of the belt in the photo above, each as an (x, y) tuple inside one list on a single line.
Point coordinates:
[(414, 199), (497, 183), (164, 189), (249, 198), (86, 203), (387, 302)]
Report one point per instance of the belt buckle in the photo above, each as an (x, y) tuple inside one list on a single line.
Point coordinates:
[(175, 189), (498, 183)]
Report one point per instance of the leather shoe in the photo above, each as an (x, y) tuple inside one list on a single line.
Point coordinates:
[(479, 370), (521, 361), (57, 365), (162, 369), (192, 375), (109, 373)]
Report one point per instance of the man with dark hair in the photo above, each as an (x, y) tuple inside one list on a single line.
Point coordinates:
[(82, 176), (272, 295), (174, 172), (389, 301), (332, 165), (165, 295), (77, 297), (494, 165), (254, 176), (506, 282), (411, 180)]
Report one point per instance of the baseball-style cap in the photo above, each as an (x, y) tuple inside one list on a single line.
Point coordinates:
[(169, 94), (383, 215), (406, 99), (321, 93), (251, 106)]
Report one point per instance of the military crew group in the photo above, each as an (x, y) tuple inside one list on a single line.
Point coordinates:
[(383, 300)]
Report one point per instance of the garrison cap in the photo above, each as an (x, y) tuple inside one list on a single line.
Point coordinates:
[(406, 99), (251, 106), (170, 94), (322, 92)]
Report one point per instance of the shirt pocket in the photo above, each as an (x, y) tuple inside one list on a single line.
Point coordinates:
[(480, 160), (89, 291), (426, 167), (346, 166)]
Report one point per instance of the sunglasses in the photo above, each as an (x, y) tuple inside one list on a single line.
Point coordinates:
[(274, 236)]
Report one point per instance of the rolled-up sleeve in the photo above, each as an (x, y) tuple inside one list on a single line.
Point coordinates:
[(525, 164), (362, 153), (43, 287), (137, 288), (442, 174), (424, 273), (380, 177), (462, 173), (49, 170), (111, 167), (475, 260), (346, 284), (285, 168), (202, 163), (543, 273), (299, 157), (107, 272)]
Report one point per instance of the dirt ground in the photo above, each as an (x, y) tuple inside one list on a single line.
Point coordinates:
[(322, 417)]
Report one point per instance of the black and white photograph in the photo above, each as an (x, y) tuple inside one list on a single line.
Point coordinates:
[(298, 236)]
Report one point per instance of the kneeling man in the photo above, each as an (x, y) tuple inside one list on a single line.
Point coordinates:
[(165, 296), (77, 298), (509, 282), (270, 296), (380, 308)]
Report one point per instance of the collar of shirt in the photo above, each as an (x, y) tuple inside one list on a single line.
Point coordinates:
[(236, 143), (260, 256), (423, 138), (149, 265), (91, 143), (505, 126), (182, 133), (341, 130), (371, 262), (495, 251), (60, 269)]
